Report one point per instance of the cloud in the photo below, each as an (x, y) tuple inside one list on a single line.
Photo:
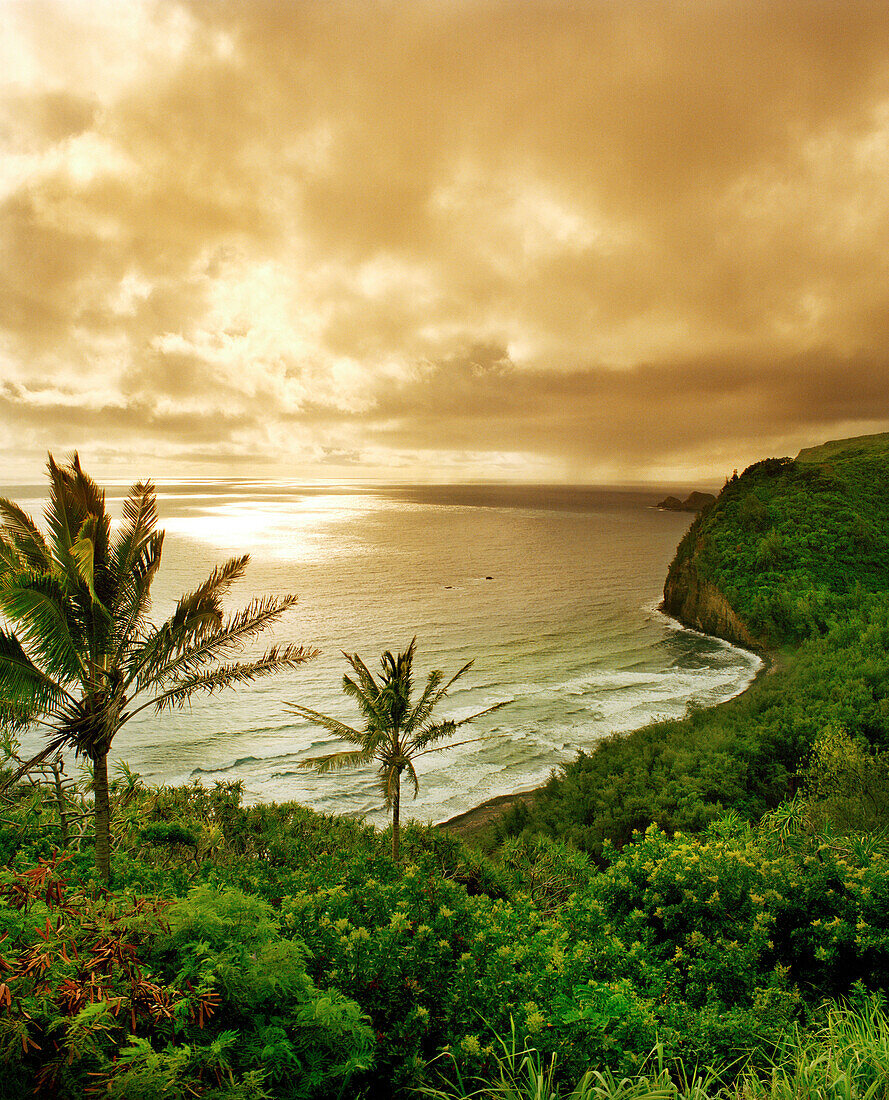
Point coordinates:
[(572, 237), (483, 402)]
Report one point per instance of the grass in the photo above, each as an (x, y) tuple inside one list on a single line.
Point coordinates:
[(845, 1057), (872, 444)]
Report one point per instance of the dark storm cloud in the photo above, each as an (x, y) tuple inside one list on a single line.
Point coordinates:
[(662, 408)]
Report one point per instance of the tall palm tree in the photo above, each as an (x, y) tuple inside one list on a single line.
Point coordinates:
[(78, 654), (396, 732)]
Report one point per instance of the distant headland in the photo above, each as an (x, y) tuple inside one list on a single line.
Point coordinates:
[(694, 502)]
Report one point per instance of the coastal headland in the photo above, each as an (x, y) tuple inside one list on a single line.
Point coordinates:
[(786, 561)]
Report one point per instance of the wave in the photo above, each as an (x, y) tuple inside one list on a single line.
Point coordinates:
[(228, 767), (581, 710)]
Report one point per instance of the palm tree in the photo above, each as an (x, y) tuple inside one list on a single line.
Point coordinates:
[(78, 654), (396, 732)]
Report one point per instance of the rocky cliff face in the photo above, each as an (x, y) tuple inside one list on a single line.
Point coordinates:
[(699, 604)]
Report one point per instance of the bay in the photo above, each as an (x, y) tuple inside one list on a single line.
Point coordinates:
[(551, 591)]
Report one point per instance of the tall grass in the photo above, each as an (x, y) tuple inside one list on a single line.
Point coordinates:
[(844, 1057)]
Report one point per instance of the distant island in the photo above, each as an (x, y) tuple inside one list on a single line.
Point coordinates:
[(694, 502)]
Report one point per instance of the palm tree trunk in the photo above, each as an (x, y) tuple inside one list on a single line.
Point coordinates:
[(102, 817), (60, 801), (396, 823)]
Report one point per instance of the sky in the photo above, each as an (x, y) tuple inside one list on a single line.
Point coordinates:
[(608, 241)]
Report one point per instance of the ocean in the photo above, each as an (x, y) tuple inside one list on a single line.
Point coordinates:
[(551, 591)]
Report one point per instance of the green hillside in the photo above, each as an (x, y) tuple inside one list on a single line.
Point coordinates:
[(861, 444), (791, 545)]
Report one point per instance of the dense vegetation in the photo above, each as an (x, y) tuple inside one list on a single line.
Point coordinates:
[(801, 551), (796, 545), (738, 945), (272, 951)]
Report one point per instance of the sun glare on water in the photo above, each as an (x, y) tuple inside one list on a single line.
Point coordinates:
[(288, 528)]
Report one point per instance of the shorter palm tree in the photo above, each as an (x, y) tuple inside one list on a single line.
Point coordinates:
[(396, 732)]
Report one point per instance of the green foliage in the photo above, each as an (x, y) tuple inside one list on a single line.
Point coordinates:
[(796, 544), (229, 941), (134, 998), (160, 834), (293, 957), (846, 1057), (846, 785), (435, 968)]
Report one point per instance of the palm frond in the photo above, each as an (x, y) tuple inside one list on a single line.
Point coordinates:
[(89, 583), (388, 780), (83, 554), (399, 670), (412, 775), (451, 745), (427, 701), (74, 497), (61, 528), (89, 496), (482, 713), (333, 725), (23, 686), (37, 606), (445, 729), (104, 580), (366, 678), (202, 609), (336, 761), (138, 522), (181, 690), (24, 535), (10, 559), (175, 649), (182, 641), (133, 561), (432, 733), (436, 696), (371, 705), (45, 753), (16, 715), (398, 683), (133, 597)]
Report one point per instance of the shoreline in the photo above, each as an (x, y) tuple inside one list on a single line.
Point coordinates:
[(479, 817), (473, 820)]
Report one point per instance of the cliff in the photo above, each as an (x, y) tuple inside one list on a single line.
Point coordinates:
[(785, 545), (699, 604)]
